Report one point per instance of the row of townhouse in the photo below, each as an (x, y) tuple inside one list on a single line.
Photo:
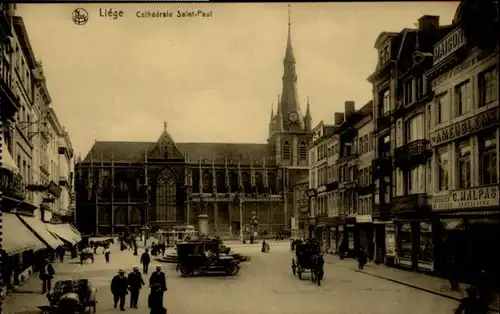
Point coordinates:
[(412, 176), (36, 166)]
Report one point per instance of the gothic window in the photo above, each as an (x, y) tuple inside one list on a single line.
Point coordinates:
[(233, 181), (259, 183), (286, 151), (196, 179), (135, 216), (221, 182), (302, 151), (166, 209), (104, 217), (271, 177), (207, 182), (120, 216), (247, 182)]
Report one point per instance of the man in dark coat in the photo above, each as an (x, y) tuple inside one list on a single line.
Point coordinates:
[(47, 273), (135, 284), (119, 286), (158, 277), (145, 260)]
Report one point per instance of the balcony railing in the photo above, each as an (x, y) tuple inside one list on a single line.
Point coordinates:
[(415, 152), (365, 190), (409, 203), (12, 186)]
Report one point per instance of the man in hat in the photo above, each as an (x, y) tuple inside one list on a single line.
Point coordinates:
[(135, 284), (158, 278), (119, 286), (145, 260)]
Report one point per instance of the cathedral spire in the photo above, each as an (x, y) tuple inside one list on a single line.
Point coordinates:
[(289, 56), (272, 110)]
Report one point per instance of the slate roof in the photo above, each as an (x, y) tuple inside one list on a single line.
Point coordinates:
[(134, 151)]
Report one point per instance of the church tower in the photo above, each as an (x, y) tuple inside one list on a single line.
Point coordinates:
[(289, 129)]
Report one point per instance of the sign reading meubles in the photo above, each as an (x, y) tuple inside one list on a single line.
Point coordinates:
[(467, 198), (465, 127)]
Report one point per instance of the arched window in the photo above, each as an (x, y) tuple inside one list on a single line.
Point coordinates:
[(207, 182), (120, 216), (104, 217), (135, 216), (247, 182), (221, 182), (271, 178), (195, 175), (166, 209), (285, 152), (259, 184), (233, 181), (302, 151)]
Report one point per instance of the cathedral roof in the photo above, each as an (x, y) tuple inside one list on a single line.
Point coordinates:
[(134, 151)]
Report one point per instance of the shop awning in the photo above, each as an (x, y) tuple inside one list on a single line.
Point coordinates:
[(17, 237), (65, 232), (7, 160), (41, 230), (364, 219), (77, 233)]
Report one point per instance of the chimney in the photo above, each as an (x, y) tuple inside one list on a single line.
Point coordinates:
[(427, 22), (349, 108), (339, 118)]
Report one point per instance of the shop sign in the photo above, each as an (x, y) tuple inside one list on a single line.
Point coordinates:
[(12, 185), (467, 198), (449, 45), (466, 127)]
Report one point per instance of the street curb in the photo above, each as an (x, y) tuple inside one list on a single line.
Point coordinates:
[(444, 295)]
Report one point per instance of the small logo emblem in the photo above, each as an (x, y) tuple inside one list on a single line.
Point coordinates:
[(80, 16)]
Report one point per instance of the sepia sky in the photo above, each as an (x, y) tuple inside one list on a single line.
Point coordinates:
[(212, 79)]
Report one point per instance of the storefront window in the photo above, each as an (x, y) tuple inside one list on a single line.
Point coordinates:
[(390, 240), (405, 241), (426, 250)]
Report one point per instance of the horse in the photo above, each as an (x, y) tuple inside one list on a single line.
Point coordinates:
[(317, 268)]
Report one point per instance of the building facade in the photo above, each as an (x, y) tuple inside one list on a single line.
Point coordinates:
[(123, 186), (26, 238), (464, 136)]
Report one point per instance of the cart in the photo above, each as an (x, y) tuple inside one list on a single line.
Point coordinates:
[(303, 260)]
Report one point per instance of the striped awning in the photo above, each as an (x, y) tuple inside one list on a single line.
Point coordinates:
[(17, 238), (41, 230), (65, 232)]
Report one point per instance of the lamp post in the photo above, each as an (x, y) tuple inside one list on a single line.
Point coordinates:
[(311, 219)]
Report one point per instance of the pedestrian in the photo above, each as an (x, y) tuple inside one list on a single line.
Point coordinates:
[(47, 273), (119, 286), (107, 252), (145, 260), (135, 284), (453, 271), (362, 258), (159, 278)]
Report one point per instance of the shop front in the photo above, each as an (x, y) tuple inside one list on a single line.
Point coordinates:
[(347, 237), (327, 233), (467, 228)]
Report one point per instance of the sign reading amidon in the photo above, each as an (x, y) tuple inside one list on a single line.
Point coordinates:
[(465, 127), (467, 198), (448, 45)]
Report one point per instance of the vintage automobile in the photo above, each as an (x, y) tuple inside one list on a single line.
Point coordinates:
[(71, 297), (204, 256), (171, 255)]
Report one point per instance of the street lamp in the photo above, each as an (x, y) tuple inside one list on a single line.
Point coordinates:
[(312, 221), (239, 201)]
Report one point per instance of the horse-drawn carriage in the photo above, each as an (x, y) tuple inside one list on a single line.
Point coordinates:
[(205, 256), (71, 297), (308, 258)]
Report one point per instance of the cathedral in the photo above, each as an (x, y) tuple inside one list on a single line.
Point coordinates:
[(167, 184)]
